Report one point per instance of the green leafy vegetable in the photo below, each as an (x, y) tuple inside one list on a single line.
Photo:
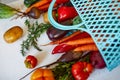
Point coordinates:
[(34, 32), (6, 11), (63, 71)]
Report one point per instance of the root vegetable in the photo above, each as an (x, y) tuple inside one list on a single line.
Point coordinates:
[(45, 16), (38, 4), (55, 34), (75, 35), (80, 41), (34, 13), (13, 34), (97, 60), (87, 47)]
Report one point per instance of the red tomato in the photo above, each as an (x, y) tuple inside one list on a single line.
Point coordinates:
[(81, 70), (30, 61)]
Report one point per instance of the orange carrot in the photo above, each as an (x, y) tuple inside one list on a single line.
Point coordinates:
[(45, 7), (80, 41), (73, 36), (81, 35), (38, 4), (87, 47), (64, 39)]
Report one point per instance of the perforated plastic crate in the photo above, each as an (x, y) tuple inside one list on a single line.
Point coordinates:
[(101, 19)]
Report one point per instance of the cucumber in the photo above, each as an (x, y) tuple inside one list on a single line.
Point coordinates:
[(6, 11)]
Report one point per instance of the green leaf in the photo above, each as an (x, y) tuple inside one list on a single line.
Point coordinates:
[(63, 71), (6, 11)]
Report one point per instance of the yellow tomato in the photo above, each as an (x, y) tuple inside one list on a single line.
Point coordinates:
[(42, 74)]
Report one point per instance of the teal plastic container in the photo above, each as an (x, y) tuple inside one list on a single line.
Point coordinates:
[(101, 19)]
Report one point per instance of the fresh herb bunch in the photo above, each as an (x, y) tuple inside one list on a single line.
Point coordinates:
[(63, 71), (34, 32)]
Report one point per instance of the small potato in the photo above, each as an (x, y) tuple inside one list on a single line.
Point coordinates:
[(45, 16), (13, 34)]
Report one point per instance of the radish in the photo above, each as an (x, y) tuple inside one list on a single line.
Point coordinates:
[(97, 60)]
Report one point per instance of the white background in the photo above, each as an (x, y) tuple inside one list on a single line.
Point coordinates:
[(7, 1), (12, 62)]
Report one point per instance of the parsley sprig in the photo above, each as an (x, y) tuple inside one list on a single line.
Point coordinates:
[(63, 71)]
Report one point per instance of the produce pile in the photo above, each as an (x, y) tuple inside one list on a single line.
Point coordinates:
[(80, 54)]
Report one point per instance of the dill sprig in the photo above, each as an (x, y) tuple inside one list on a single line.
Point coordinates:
[(34, 32)]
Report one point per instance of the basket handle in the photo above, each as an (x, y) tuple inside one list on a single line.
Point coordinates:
[(59, 26)]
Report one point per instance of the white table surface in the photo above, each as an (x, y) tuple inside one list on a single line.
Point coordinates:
[(12, 66), (7, 1)]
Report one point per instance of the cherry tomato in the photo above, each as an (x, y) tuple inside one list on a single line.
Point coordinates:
[(81, 70), (30, 61)]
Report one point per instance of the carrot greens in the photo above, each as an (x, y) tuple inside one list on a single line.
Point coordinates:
[(63, 71)]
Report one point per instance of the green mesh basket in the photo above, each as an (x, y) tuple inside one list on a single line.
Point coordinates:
[(101, 19)]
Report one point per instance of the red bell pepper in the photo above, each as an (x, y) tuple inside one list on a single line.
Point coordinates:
[(61, 48), (30, 61), (81, 70), (66, 12)]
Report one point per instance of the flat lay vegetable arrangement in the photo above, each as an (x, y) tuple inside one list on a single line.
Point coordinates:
[(80, 55)]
